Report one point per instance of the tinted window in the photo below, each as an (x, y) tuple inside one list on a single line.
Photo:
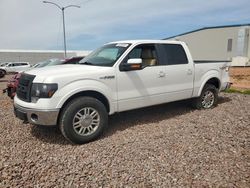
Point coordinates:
[(174, 54), (19, 64)]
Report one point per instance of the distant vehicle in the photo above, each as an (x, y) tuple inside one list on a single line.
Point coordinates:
[(52, 62), (14, 67), (14, 80), (2, 72), (12, 85), (48, 62), (73, 60)]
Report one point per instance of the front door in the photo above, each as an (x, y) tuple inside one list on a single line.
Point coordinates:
[(10, 67), (145, 87)]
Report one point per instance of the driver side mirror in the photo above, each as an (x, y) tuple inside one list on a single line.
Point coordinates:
[(132, 64)]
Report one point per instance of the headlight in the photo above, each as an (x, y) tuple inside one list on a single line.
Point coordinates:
[(40, 90)]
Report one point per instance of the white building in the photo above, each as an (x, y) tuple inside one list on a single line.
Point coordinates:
[(35, 56), (231, 42)]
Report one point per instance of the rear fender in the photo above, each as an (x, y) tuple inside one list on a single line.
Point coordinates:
[(205, 78)]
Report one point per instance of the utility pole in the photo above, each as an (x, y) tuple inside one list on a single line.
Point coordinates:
[(64, 33)]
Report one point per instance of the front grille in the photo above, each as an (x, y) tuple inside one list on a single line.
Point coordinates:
[(24, 87)]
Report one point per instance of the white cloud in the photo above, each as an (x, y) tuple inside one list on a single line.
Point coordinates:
[(30, 24)]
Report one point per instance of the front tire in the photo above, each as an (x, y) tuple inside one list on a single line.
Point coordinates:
[(208, 98), (2, 73), (83, 120)]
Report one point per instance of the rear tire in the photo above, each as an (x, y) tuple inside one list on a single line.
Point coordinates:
[(207, 99), (83, 120)]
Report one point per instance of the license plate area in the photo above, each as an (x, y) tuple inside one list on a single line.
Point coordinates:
[(21, 115)]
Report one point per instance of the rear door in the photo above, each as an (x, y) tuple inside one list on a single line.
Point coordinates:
[(21, 67), (145, 87), (179, 71)]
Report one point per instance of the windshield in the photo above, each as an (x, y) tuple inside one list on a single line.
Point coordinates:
[(106, 55), (3, 64)]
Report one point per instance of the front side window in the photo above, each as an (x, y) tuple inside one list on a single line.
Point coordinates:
[(106, 55), (146, 52)]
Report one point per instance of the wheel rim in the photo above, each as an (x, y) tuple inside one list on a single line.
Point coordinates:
[(207, 99), (86, 121)]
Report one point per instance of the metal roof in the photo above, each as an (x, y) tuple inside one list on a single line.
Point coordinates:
[(204, 28)]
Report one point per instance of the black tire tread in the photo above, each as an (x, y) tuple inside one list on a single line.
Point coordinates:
[(197, 101), (74, 103), (2, 73)]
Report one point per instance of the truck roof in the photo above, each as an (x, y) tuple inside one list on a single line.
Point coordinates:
[(149, 41)]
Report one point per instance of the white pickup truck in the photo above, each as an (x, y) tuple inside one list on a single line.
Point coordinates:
[(117, 77)]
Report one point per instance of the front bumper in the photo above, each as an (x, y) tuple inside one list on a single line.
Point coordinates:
[(35, 116)]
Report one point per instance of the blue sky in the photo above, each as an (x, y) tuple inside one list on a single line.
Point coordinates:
[(31, 24)]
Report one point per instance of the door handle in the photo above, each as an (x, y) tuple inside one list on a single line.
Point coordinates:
[(162, 74), (189, 72)]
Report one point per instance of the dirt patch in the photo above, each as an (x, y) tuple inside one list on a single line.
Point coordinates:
[(240, 77)]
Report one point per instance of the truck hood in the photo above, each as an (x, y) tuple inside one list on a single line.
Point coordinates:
[(53, 73)]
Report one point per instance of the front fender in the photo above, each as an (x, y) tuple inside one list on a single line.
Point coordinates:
[(2, 69), (73, 88)]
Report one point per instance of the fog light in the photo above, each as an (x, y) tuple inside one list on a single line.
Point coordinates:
[(34, 117)]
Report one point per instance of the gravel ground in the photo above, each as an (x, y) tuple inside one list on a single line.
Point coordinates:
[(169, 145)]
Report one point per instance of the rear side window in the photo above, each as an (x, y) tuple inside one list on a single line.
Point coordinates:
[(174, 54), (19, 64)]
